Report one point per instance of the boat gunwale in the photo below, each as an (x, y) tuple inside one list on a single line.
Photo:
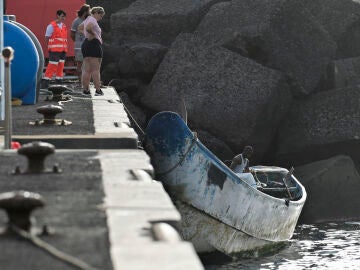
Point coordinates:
[(236, 179)]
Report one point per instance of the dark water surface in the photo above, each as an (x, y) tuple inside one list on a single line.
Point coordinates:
[(325, 246)]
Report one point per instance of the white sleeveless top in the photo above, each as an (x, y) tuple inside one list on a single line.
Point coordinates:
[(246, 177), (240, 167)]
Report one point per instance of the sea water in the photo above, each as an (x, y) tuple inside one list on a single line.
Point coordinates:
[(325, 246)]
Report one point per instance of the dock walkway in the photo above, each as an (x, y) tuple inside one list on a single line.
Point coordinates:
[(102, 204)]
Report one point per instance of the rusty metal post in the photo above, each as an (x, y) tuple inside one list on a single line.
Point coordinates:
[(8, 55)]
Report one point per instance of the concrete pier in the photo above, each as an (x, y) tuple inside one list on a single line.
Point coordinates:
[(104, 206), (97, 122)]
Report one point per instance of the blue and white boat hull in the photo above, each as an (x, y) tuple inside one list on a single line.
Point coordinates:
[(193, 175)]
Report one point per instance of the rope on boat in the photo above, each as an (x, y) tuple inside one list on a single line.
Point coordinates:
[(51, 249), (181, 159)]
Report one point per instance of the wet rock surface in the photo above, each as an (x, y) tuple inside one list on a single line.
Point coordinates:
[(332, 186)]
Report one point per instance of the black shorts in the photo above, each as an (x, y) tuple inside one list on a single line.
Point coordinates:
[(92, 48)]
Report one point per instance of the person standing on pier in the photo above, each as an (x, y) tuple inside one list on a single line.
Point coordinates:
[(56, 40), (92, 50), (78, 37)]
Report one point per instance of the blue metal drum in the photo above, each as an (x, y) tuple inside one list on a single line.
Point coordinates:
[(25, 65)]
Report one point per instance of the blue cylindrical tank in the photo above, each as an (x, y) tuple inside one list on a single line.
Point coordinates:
[(24, 66), (39, 50)]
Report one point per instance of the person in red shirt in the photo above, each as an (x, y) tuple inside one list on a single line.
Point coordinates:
[(56, 40)]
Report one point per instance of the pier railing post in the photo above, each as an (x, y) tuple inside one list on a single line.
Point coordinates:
[(8, 55)]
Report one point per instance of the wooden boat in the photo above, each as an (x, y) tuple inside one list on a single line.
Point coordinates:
[(220, 210)]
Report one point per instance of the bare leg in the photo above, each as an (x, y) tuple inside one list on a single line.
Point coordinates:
[(82, 71), (86, 73), (95, 71), (91, 69), (78, 69)]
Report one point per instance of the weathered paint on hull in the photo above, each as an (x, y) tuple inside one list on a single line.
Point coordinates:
[(208, 234), (197, 177)]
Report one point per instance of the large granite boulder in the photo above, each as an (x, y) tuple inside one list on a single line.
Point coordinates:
[(131, 62), (140, 60), (110, 6), (109, 74), (321, 126), (341, 18), (281, 34), (157, 21), (109, 65), (343, 73), (230, 96), (218, 147), (333, 188)]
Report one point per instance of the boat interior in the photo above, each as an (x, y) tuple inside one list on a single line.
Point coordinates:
[(279, 184)]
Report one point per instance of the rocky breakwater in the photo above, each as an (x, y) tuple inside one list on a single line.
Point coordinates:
[(249, 72)]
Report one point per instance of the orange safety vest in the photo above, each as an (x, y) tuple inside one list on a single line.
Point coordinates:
[(58, 39)]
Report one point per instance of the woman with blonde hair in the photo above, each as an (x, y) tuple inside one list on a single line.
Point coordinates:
[(92, 50)]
